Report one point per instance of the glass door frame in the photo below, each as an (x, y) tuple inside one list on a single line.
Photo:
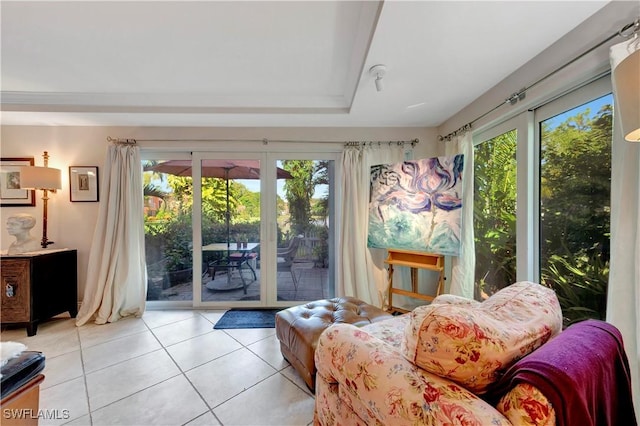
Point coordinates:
[(153, 154), (268, 154), (581, 96), (268, 233), (265, 171), (525, 188), (271, 254)]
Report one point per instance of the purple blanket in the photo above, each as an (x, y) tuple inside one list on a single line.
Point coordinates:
[(583, 372)]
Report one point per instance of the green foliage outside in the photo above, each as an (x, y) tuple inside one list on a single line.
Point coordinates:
[(299, 192), (574, 208), (307, 215), (494, 213), (168, 224)]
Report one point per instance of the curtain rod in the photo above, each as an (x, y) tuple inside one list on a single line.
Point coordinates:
[(121, 141), (264, 141), (413, 143), (521, 94)]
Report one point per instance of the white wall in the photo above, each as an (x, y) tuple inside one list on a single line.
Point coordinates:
[(606, 22), (71, 224)]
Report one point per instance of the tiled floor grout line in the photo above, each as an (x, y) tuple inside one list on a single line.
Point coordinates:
[(114, 338), (135, 393), (84, 377), (162, 347), (246, 346), (184, 374), (111, 365), (128, 359)]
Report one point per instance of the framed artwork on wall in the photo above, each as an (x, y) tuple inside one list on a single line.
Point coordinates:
[(11, 195), (83, 183)]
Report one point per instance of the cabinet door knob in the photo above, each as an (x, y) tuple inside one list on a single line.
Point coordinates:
[(10, 290)]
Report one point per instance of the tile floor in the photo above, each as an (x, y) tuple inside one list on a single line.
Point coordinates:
[(169, 367)]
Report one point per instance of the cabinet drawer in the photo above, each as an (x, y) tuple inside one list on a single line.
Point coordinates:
[(16, 290)]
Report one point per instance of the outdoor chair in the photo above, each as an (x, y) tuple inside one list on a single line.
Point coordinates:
[(234, 261), (287, 256), (283, 251)]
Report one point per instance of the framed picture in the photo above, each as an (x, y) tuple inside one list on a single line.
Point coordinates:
[(83, 183), (11, 194)]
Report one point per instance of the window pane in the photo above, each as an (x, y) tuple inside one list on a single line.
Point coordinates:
[(495, 214), (168, 200), (230, 230), (575, 172), (304, 215)]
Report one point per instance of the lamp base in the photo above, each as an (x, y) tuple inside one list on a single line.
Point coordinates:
[(44, 243)]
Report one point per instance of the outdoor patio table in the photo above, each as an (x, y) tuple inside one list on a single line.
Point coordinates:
[(245, 250), (234, 247), (230, 247)]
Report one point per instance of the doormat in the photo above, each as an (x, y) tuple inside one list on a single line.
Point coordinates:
[(248, 318)]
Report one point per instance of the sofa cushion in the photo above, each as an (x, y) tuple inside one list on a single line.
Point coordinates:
[(471, 343)]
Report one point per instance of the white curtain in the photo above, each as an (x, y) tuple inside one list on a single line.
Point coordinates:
[(116, 277), (363, 272), (623, 297), (463, 267)]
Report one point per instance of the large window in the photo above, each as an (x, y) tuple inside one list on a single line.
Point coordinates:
[(575, 174), (556, 231)]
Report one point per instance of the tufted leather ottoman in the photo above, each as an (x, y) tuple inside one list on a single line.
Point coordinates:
[(299, 327)]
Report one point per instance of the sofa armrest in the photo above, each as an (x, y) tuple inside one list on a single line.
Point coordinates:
[(525, 405), (452, 299), (382, 387)]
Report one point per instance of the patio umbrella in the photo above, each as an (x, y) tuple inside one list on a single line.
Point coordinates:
[(218, 168)]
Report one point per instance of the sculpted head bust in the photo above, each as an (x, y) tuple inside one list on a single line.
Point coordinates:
[(19, 225)]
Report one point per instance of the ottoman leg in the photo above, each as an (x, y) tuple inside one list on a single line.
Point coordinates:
[(309, 377)]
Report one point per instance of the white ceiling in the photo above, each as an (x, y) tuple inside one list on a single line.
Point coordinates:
[(265, 63)]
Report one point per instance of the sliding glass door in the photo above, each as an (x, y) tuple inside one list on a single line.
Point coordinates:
[(247, 230), (304, 208), (168, 203), (230, 225)]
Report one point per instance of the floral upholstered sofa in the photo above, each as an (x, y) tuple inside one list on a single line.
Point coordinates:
[(437, 364)]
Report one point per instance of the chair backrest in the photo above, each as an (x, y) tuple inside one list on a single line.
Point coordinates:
[(289, 253), (289, 244)]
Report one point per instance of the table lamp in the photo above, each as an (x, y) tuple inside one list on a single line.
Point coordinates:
[(43, 178)]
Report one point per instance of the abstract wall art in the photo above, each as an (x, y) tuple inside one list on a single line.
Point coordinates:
[(416, 205)]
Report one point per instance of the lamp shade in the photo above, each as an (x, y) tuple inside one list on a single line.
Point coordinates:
[(40, 178), (626, 83)]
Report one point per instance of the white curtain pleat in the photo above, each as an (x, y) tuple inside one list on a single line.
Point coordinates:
[(463, 266), (363, 272), (116, 276), (623, 294)]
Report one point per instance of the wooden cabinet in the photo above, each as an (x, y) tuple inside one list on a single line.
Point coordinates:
[(36, 287), (415, 260)]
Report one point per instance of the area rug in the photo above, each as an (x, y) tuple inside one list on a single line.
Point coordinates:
[(247, 318)]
